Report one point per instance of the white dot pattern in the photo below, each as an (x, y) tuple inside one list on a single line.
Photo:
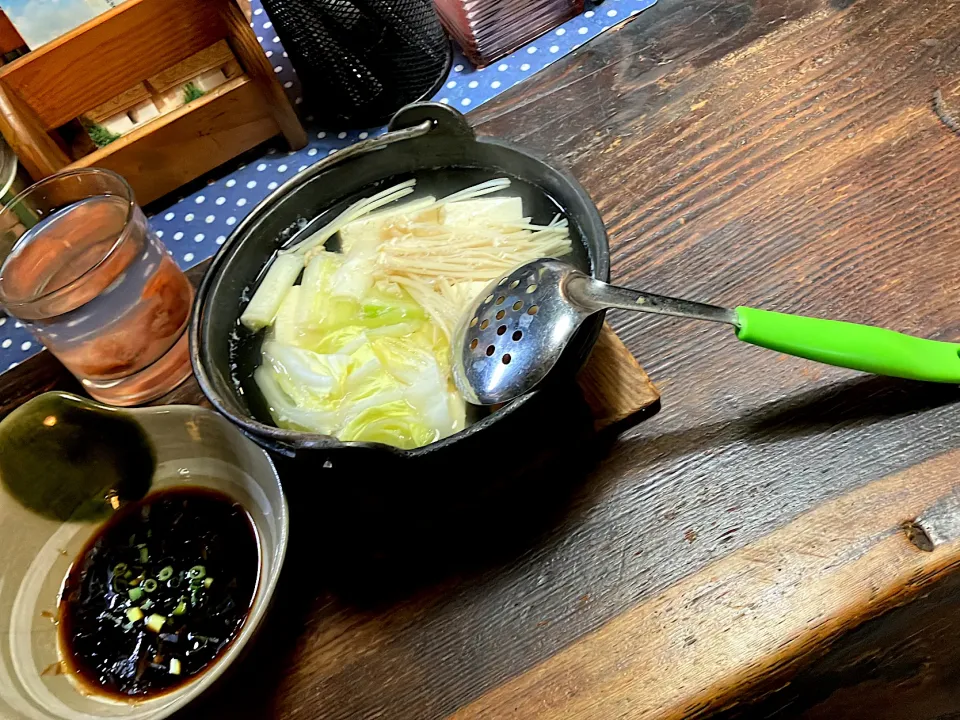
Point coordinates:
[(202, 232)]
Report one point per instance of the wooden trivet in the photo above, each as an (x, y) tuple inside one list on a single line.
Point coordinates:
[(614, 384)]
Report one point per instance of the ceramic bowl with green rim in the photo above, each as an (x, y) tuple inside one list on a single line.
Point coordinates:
[(47, 523)]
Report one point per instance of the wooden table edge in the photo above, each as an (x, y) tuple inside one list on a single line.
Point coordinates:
[(756, 613)]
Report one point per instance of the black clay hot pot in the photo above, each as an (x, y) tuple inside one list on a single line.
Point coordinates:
[(431, 143)]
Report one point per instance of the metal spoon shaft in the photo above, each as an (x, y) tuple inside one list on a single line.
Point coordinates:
[(594, 295)]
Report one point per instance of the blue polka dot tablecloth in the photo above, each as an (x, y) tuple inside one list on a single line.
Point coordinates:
[(196, 225)]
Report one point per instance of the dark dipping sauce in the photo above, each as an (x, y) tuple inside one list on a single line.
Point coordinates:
[(159, 592)]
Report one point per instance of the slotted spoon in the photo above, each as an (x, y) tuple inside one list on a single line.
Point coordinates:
[(517, 330)]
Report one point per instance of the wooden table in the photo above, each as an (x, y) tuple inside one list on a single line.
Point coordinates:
[(779, 539)]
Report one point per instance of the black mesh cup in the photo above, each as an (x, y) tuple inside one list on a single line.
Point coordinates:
[(359, 61)]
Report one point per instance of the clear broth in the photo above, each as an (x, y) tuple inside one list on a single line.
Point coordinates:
[(245, 355)]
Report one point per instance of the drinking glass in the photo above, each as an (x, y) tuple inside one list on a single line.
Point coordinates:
[(87, 276)]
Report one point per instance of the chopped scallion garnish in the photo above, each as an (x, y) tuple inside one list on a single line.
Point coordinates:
[(165, 574), (207, 582), (149, 585), (155, 622), (134, 593), (181, 607), (197, 572), (134, 614)]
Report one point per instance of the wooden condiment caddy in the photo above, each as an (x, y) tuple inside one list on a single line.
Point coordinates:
[(143, 50)]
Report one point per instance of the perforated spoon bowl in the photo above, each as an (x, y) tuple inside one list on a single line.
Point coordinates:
[(517, 330)]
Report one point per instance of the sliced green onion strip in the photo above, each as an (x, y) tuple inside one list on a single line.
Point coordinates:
[(119, 569), (181, 607), (165, 574), (149, 585), (134, 593), (197, 572), (134, 614), (207, 582)]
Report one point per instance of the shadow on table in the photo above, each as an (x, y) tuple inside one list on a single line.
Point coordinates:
[(859, 402), (374, 530)]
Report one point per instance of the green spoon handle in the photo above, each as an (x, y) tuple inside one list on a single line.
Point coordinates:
[(859, 347)]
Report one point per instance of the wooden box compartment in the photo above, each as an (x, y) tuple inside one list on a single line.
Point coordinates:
[(140, 47)]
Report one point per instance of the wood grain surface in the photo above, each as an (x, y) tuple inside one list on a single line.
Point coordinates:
[(616, 388), (247, 48), (36, 150), (710, 639), (781, 153), (9, 37), (180, 145), (214, 57), (89, 66)]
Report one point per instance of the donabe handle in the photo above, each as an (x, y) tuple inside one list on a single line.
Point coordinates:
[(443, 119)]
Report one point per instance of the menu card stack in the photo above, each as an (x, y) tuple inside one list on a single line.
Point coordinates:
[(487, 30)]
